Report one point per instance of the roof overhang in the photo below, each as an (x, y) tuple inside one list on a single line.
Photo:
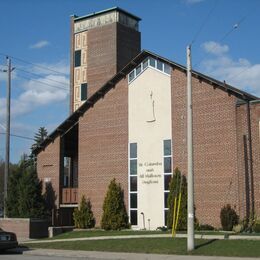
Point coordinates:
[(89, 103)]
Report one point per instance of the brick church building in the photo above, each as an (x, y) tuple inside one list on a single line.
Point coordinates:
[(128, 122)]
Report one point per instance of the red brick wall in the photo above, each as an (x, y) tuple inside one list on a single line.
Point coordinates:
[(103, 149), (48, 166), (128, 45), (110, 48), (255, 119), (21, 227), (218, 150), (215, 149), (25, 228), (101, 55), (242, 129)]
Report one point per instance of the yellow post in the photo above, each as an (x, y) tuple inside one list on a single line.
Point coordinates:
[(179, 204), (178, 211), (173, 218)]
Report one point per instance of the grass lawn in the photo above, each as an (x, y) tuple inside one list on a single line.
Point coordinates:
[(242, 248), (99, 233)]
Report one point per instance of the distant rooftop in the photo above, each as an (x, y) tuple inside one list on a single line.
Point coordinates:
[(78, 18)]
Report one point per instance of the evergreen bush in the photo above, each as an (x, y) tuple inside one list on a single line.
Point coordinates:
[(11, 202), (25, 199), (256, 225), (31, 202), (174, 187), (114, 211), (83, 216), (228, 217)]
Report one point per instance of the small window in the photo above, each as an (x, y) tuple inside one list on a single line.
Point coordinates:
[(66, 171), (159, 65), (166, 194), (166, 217), (133, 217), (167, 164), (167, 179), (133, 150), (152, 62), (133, 201), (131, 75), (84, 91), (145, 63), (77, 61), (138, 70), (167, 69), (133, 183), (167, 147), (133, 167)]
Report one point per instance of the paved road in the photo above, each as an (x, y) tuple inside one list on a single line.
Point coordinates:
[(33, 257), (51, 254)]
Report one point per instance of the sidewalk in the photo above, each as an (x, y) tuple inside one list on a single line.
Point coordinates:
[(197, 236), (121, 256)]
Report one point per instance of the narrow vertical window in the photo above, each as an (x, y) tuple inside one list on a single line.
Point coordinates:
[(167, 168), (77, 61), (167, 69), (84, 91), (159, 65), (152, 62), (133, 183)]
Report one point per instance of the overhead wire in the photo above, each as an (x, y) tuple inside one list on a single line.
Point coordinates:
[(39, 75), (239, 73), (196, 35), (31, 63), (231, 30), (41, 82), (19, 136)]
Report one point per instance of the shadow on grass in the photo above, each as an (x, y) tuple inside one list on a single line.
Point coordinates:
[(206, 243)]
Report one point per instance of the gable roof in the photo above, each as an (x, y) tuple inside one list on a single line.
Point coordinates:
[(72, 120)]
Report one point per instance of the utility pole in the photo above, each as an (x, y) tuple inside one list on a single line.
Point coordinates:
[(7, 135), (190, 234)]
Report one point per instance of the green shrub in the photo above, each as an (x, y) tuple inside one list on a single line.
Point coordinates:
[(256, 226), (205, 227), (25, 199), (114, 211), (228, 217), (174, 187), (83, 216), (238, 228)]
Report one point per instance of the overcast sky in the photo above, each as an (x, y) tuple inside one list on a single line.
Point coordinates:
[(225, 35)]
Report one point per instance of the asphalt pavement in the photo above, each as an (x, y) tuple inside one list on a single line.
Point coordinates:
[(53, 254)]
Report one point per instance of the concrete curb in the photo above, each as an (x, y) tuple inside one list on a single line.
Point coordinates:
[(197, 236)]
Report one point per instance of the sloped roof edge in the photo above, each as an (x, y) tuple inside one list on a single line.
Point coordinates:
[(74, 117)]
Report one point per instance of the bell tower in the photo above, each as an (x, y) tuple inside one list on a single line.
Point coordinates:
[(102, 44)]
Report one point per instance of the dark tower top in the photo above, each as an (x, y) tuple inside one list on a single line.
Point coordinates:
[(102, 43)]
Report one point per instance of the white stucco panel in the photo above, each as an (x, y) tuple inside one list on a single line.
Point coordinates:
[(150, 124)]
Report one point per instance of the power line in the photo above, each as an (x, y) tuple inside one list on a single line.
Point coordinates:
[(241, 72), (36, 65), (234, 27), (43, 83), (19, 136), (39, 75), (204, 22)]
